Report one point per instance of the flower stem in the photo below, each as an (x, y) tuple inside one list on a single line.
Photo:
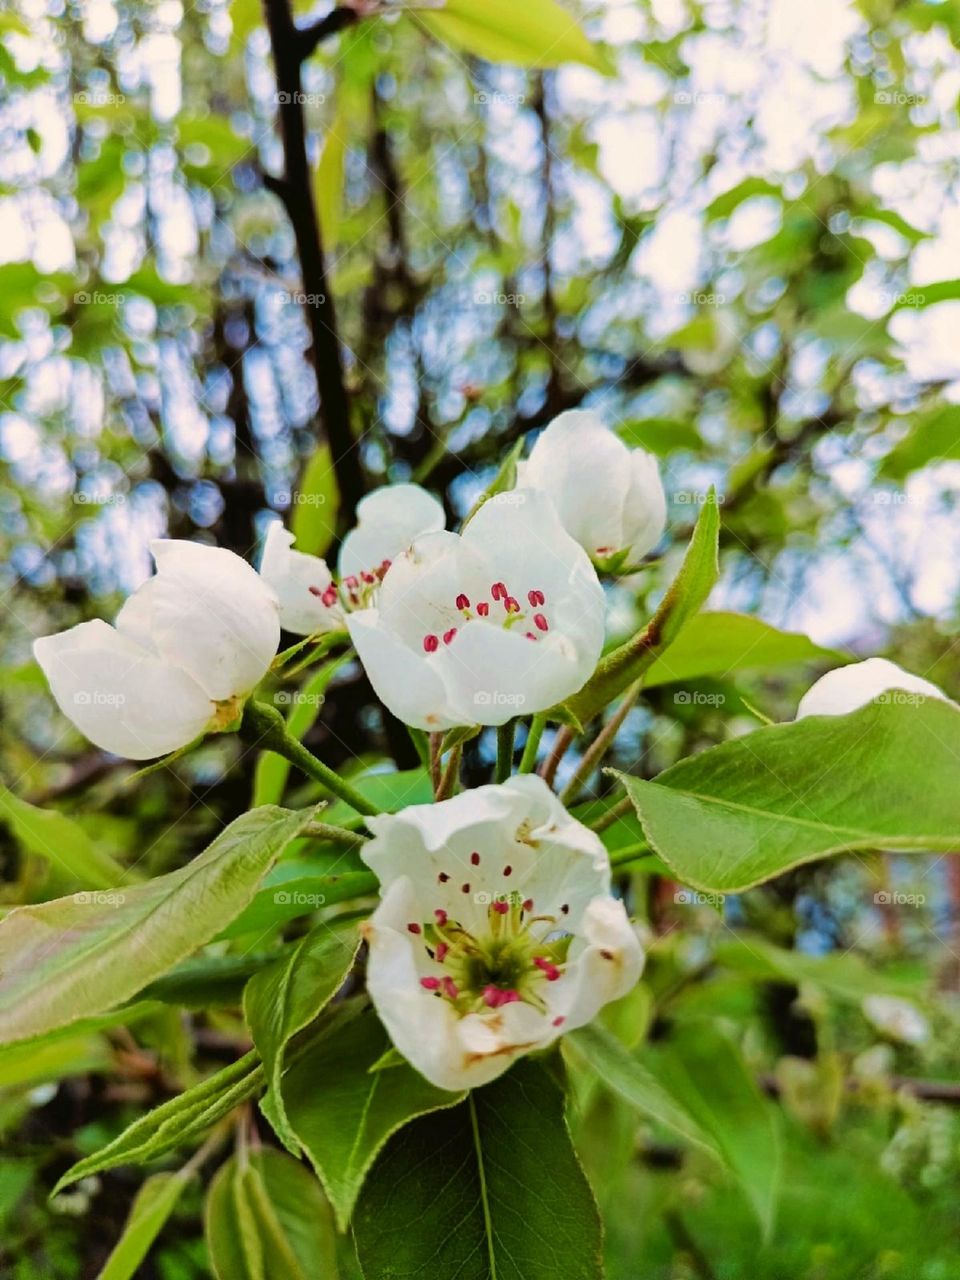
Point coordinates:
[(529, 758), (505, 734), (265, 727), (561, 744), (625, 805), (450, 774), (595, 752)]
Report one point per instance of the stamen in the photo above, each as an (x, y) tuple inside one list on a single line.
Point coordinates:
[(368, 578), (558, 1022), (450, 987), (329, 596), (475, 859), (431, 644), (528, 904), (430, 984), (441, 916), (498, 591), (536, 598), (442, 949), (448, 635), (511, 604), (547, 968), (462, 601), (413, 928), (351, 583), (501, 908), (508, 871), (529, 636), (483, 609), (443, 877), (540, 622), (464, 888)]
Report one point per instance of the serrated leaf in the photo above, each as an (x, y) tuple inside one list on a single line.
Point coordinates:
[(342, 1112), (266, 1219), (182, 1119), (685, 597), (77, 956), (152, 1206), (283, 999), (493, 1186), (884, 777), (540, 33)]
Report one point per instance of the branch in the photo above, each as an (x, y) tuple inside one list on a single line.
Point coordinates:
[(295, 189), (335, 21)]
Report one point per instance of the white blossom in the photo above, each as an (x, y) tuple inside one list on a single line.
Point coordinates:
[(848, 688)]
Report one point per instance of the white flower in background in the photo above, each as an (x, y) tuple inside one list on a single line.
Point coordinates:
[(504, 619), (496, 931), (896, 1018), (608, 497), (847, 689), (187, 647), (388, 521)]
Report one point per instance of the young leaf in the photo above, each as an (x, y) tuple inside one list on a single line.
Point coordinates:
[(343, 1112), (540, 33), (314, 519), (629, 1078), (153, 1205), (181, 1119), (266, 1219), (719, 644), (493, 1186), (299, 895), (884, 777), (706, 1072), (61, 841), (76, 956), (686, 596), (283, 999)]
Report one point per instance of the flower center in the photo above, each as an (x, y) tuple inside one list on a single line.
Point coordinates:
[(511, 959), (355, 591), (502, 609)]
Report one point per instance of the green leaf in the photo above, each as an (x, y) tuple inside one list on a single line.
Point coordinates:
[(631, 1080), (35, 1061), (180, 1120), (934, 437), (884, 777), (706, 1072), (493, 1188), (539, 33), (59, 840), (299, 896), (502, 482), (719, 644), (928, 295), (316, 504), (748, 189), (685, 596), (343, 1112), (660, 435), (76, 956), (280, 1001), (153, 1205), (266, 1219)]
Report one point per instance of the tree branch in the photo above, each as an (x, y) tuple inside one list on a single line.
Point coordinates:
[(295, 189)]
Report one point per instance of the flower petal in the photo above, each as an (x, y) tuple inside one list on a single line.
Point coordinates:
[(207, 611), (298, 581), (388, 521), (645, 508), (606, 968), (119, 695), (846, 689), (402, 679)]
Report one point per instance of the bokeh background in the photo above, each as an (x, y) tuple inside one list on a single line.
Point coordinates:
[(742, 248)]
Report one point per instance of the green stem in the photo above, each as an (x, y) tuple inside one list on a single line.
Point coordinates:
[(629, 853), (505, 734), (597, 749), (529, 758), (265, 727), (336, 835)]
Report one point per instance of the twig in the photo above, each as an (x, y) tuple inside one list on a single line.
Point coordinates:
[(436, 745), (450, 773), (561, 744), (505, 734), (612, 815), (594, 753)]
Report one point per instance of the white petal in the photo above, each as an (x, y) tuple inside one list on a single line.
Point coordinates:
[(297, 579), (606, 968), (209, 612), (388, 521), (402, 678), (846, 689), (419, 593), (119, 695), (645, 508)]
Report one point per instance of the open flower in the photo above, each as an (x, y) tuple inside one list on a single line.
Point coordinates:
[(496, 932), (388, 521), (608, 497), (846, 689), (187, 647), (474, 628)]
